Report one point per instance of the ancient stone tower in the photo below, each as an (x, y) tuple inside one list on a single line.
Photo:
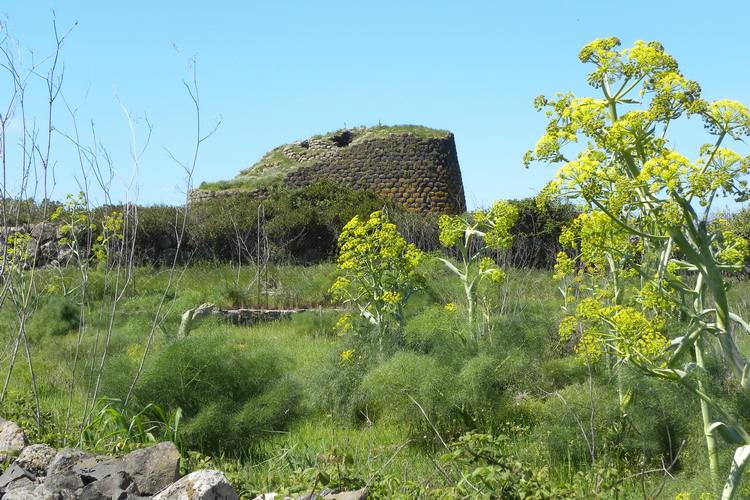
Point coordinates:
[(416, 167)]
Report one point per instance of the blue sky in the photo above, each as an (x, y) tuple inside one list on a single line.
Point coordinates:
[(278, 71)]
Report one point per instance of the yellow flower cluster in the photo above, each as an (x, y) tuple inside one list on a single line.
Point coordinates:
[(392, 298), (728, 116), (19, 248), (665, 171), (452, 229), (493, 225), (621, 329), (343, 325), (378, 268), (490, 269), (346, 355), (729, 247), (592, 235), (500, 218)]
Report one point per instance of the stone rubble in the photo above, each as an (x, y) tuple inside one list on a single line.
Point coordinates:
[(39, 472)]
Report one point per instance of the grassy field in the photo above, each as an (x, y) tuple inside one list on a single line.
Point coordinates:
[(282, 407)]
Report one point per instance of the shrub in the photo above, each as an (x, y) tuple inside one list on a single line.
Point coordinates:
[(316, 323), (156, 235), (536, 232), (740, 222), (436, 330), (406, 385), (57, 315), (229, 396), (479, 388), (307, 221), (301, 224)]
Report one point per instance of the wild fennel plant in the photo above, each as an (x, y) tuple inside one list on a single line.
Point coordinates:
[(628, 175), (472, 235), (378, 272)]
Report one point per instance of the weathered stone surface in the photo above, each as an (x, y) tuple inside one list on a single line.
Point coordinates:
[(91, 469), (118, 485), (153, 468), (360, 494), (420, 173), (12, 439), (199, 485), (26, 492), (64, 481), (43, 248), (42, 492), (36, 458), (15, 477), (65, 459)]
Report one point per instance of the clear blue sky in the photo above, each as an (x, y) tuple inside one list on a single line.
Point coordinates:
[(278, 71)]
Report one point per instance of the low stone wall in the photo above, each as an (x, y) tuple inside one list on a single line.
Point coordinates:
[(41, 472)]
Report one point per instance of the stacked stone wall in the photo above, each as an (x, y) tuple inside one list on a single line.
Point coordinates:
[(419, 173)]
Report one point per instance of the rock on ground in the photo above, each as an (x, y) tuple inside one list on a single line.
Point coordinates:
[(153, 468), (65, 459), (360, 494), (12, 439), (326, 494), (199, 485), (15, 477), (36, 458)]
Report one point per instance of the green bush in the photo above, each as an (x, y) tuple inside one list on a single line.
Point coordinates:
[(586, 417), (157, 234), (412, 390), (301, 224), (740, 222), (436, 330), (316, 323), (336, 388), (479, 389), (536, 233), (230, 396), (57, 315)]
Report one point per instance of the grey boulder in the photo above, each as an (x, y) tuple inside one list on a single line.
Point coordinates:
[(36, 458), (153, 468), (360, 494), (15, 477), (64, 483), (117, 486), (199, 485), (65, 459), (12, 439)]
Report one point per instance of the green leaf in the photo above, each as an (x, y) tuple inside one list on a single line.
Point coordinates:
[(739, 462), (626, 400), (728, 433), (323, 478)]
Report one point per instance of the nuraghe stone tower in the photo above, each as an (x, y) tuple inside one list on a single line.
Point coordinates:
[(416, 167)]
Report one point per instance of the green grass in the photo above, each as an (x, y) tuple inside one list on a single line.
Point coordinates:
[(383, 131), (357, 421)]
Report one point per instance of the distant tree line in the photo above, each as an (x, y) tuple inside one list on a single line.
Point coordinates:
[(298, 225)]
